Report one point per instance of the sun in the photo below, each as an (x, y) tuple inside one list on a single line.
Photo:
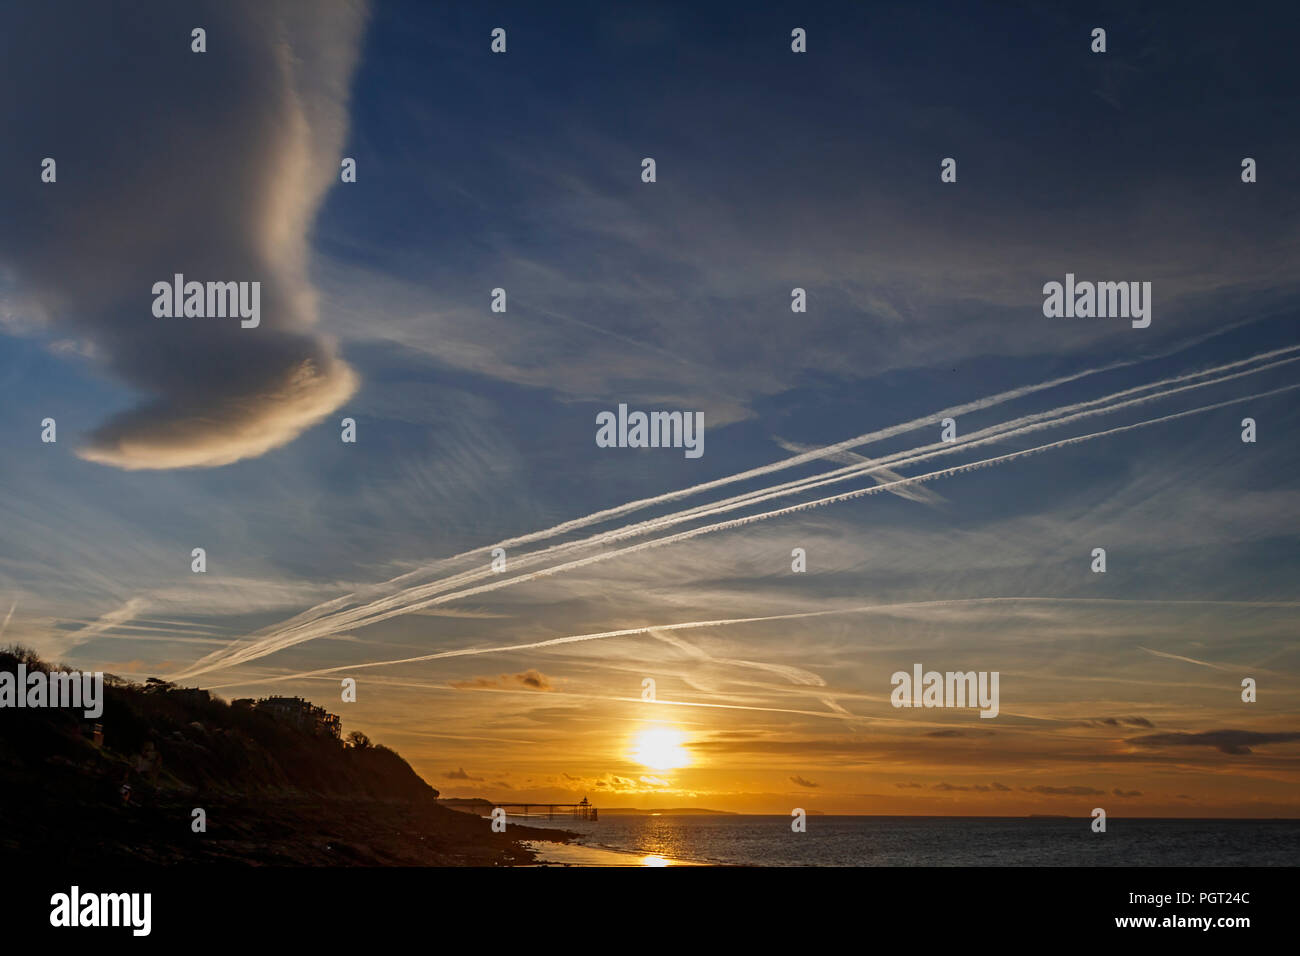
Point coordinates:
[(660, 748)]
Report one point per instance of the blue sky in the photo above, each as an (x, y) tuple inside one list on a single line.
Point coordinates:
[(774, 170)]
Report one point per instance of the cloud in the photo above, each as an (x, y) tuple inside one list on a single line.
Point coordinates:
[(535, 679), (459, 774), (1235, 742), (531, 678), (1126, 793), (1118, 722), (995, 787), (1076, 791), (800, 781), (231, 152)]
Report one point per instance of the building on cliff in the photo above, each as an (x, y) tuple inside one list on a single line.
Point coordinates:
[(303, 714)]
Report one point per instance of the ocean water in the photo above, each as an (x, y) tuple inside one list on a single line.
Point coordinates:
[(935, 841)]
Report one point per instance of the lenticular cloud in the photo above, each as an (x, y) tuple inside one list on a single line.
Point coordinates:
[(170, 161)]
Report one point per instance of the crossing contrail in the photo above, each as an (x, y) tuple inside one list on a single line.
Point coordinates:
[(1028, 423), (403, 603), (867, 438), (733, 621), (602, 516), (302, 628), (811, 685), (305, 624)]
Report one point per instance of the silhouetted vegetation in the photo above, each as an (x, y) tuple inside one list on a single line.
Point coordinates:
[(274, 792), (205, 744)]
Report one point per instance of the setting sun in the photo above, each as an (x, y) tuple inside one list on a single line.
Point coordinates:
[(660, 748)]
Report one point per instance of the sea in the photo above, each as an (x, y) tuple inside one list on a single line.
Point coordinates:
[(665, 840)]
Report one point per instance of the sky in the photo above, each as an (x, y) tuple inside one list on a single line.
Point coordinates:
[(476, 429)]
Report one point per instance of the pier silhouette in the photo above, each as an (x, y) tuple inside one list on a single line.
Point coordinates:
[(578, 811)]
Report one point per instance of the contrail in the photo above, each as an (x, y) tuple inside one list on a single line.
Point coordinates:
[(727, 622), (105, 622), (601, 635), (880, 473), (832, 715), (600, 517), (994, 433), (1084, 409), (1025, 424), (1190, 660), (272, 643), (415, 598), (301, 626), (306, 624), (869, 437)]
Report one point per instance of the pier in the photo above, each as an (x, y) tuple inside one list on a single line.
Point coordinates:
[(577, 811)]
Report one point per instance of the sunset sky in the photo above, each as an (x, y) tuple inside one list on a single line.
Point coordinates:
[(475, 429)]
